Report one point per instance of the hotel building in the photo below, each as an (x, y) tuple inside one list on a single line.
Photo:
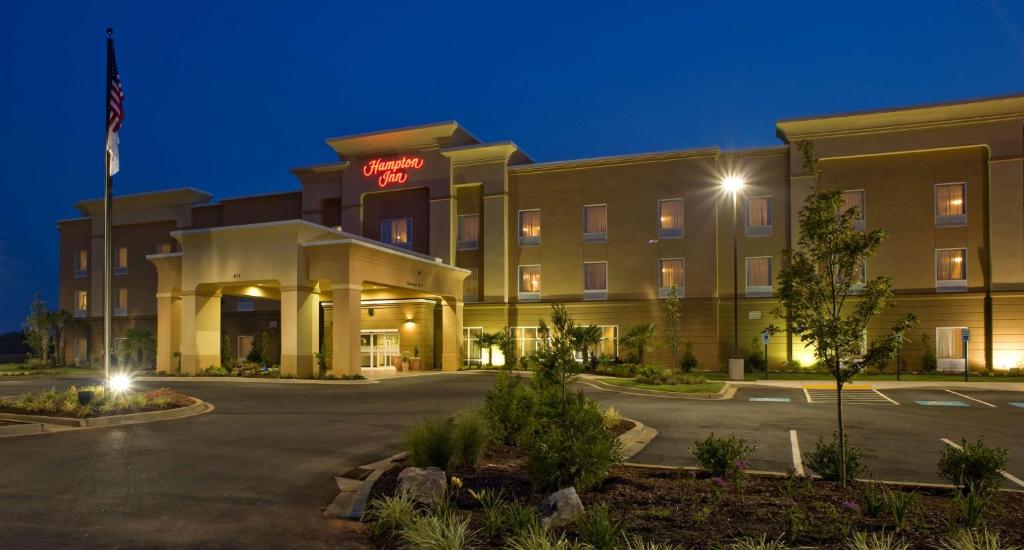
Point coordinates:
[(418, 239)]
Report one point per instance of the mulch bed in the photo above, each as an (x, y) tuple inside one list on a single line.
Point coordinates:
[(680, 507)]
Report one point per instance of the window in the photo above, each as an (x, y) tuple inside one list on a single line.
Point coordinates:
[(759, 216), (595, 280), (950, 269), (529, 282), (121, 260), (81, 352), (759, 276), (950, 204), (469, 232), (474, 354), (595, 222), (529, 227), (121, 301), (164, 248), (244, 347), (949, 349), (607, 346), (527, 339), (670, 218), (471, 286), (855, 199), (81, 303), (246, 303), (397, 232), (82, 263), (671, 274)]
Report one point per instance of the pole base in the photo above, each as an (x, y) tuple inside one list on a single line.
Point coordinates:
[(735, 369)]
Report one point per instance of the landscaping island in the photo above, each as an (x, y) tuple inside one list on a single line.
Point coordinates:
[(93, 402)]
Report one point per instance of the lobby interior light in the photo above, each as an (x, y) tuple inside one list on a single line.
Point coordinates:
[(733, 183)]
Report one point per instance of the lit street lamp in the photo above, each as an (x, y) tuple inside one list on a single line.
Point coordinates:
[(733, 184)]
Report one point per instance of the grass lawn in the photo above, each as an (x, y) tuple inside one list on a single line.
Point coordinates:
[(21, 369), (710, 387), (868, 377)]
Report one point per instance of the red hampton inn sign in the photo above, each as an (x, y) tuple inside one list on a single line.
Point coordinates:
[(394, 171)]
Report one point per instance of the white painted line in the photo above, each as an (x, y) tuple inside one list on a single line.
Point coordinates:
[(1007, 475), (972, 399), (798, 462), (806, 393), (885, 396)]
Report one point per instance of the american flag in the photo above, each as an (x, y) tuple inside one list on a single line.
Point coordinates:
[(115, 106)]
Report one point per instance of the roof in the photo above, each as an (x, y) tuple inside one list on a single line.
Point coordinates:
[(181, 196), (438, 134)]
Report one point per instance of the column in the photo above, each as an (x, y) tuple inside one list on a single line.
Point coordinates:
[(200, 331), (298, 330), (345, 329), (168, 332), (442, 220), (494, 282), (450, 334)]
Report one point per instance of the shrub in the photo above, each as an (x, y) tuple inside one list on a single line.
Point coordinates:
[(871, 502), (618, 370), (538, 539), (876, 541), (763, 543), (611, 418), (599, 530), (824, 459), (689, 379), (928, 360), (471, 438), (637, 543), (650, 374), (974, 540), (689, 361), (973, 464), (521, 518), (391, 513), (431, 442), (900, 505), (442, 531), (756, 361), (494, 508), (971, 506), (722, 456), (215, 371), (509, 408), (569, 446)]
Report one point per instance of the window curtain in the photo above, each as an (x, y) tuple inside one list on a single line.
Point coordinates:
[(595, 219), (122, 257), (951, 264), (671, 273), (529, 223), (949, 200), (759, 212), (400, 231), (609, 341), (759, 272), (595, 276), (469, 229), (83, 260), (529, 280), (83, 301), (854, 199), (948, 344), (672, 214)]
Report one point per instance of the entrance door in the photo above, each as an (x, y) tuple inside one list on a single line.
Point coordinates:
[(379, 348)]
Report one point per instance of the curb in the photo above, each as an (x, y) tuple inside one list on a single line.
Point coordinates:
[(196, 408), (727, 391), (245, 380), (354, 493), (636, 438), (21, 429)]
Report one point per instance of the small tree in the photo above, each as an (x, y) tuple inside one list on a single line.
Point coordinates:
[(507, 344), (140, 346), (929, 362), (671, 324), (822, 297), (488, 340), (225, 352), (37, 328), (638, 338), (585, 338), (61, 322)]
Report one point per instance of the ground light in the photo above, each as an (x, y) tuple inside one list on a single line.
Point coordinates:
[(120, 382)]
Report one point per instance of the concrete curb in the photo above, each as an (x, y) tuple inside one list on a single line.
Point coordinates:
[(196, 408), (727, 391), (244, 380), (885, 384), (636, 438), (22, 428), (353, 494)]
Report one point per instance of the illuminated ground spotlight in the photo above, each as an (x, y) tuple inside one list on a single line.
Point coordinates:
[(120, 382)]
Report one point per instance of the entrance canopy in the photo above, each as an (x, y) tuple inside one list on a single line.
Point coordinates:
[(300, 264)]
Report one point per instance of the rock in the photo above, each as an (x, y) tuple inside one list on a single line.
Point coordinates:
[(561, 508), (424, 485)]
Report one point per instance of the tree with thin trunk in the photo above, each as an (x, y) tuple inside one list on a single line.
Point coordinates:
[(586, 338), (37, 328), (61, 322), (672, 326), (640, 337), (825, 298), (487, 341)]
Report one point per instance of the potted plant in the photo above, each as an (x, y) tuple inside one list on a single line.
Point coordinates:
[(403, 362), (415, 363)]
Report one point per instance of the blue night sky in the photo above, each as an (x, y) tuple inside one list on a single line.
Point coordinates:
[(227, 96)]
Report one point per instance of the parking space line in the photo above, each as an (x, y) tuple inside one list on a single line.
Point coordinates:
[(893, 401), (770, 399), (972, 399), (943, 403), (1012, 478), (1018, 405), (798, 462), (808, 395)]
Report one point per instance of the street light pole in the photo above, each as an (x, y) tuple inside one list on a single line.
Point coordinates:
[(735, 283)]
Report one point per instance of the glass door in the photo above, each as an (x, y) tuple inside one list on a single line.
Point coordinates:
[(378, 348)]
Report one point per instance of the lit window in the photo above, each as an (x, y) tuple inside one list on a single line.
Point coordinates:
[(950, 204), (595, 222), (949, 349), (855, 199), (121, 302), (950, 269), (474, 354), (81, 263), (469, 232), (163, 248), (529, 282), (529, 226), (759, 276), (528, 340), (595, 280), (607, 347), (81, 352), (245, 303), (81, 303), (121, 260), (759, 216), (471, 286), (670, 218), (397, 232), (671, 274)]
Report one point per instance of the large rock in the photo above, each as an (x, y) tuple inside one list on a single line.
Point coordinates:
[(561, 508), (424, 485)]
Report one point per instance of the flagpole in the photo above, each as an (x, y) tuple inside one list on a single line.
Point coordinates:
[(108, 212)]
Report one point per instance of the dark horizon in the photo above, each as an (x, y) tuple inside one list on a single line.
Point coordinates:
[(227, 98)]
